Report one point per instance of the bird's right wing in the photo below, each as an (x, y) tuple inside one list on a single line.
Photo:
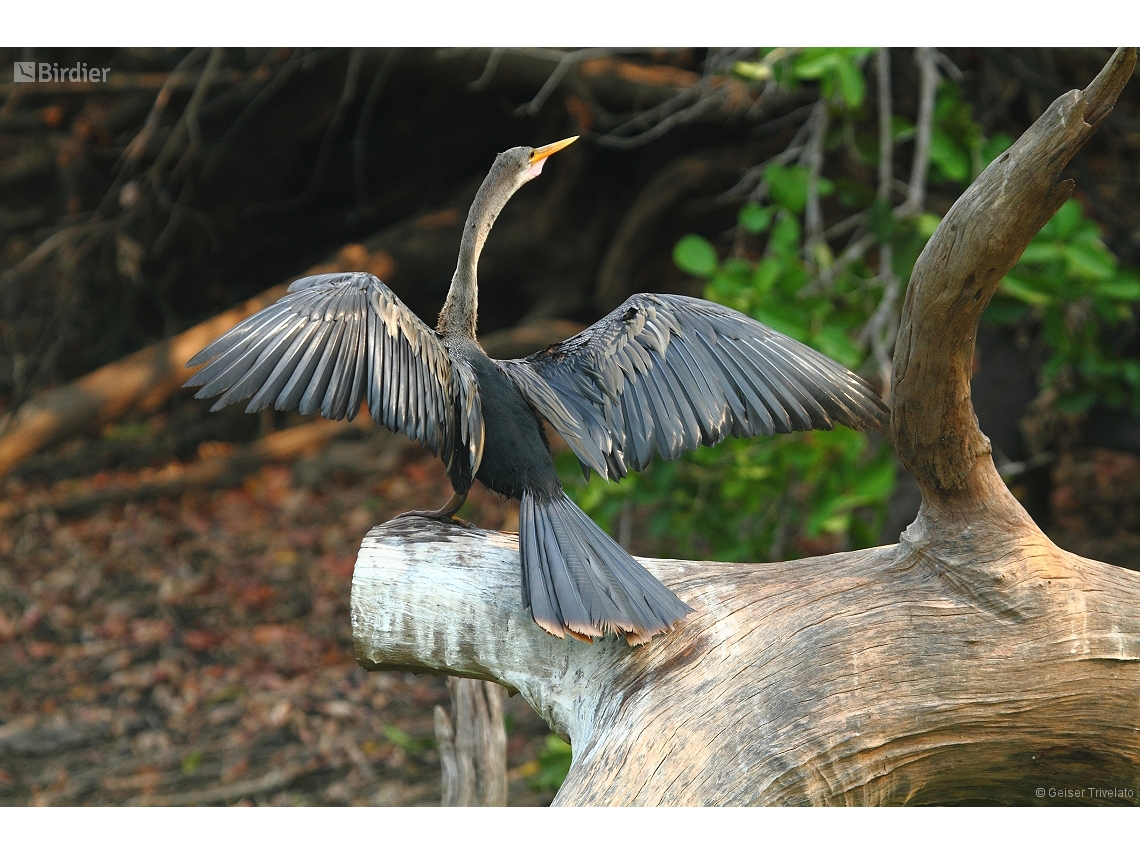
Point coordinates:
[(664, 374), (334, 340)]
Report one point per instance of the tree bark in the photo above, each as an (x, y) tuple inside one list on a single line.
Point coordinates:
[(974, 661)]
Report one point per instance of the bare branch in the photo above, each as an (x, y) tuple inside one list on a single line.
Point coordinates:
[(347, 95), (882, 326), (137, 147), (813, 154), (926, 59), (565, 63), (488, 71), (886, 142)]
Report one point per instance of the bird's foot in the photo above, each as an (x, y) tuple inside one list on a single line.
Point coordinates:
[(438, 516), (445, 514)]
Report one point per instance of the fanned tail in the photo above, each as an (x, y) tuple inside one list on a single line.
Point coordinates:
[(576, 580)]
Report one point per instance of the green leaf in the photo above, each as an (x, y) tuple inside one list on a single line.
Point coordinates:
[(1041, 252), (881, 220), (191, 762), (695, 255), (1004, 311), (788, 186), (766, 274), (902, 129), (1065, 221), (783, 319), (1024, 291), (785, 238), (951, 158), (1090, 262), (755, 219), (1076, 404), (814, 63), (1127, 290), (822, 255), (877, 484), (752, 70), (405, 740), (927, 224), (853, 194), (851, 84), (553, 764)]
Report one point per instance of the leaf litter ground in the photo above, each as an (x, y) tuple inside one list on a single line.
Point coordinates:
[(196, 649)]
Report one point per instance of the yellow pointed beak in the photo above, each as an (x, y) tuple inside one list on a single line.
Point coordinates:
[(545, 151)]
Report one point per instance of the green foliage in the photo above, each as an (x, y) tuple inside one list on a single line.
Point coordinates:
[(553, 765), (956, 140), (1069, 283), (745, 499), (788, 186), (693, 254), (836, 69)]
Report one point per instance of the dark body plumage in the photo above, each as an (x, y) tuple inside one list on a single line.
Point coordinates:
[(516, 454), (661, 374)]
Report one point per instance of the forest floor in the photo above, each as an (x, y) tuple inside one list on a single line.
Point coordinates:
[(196, 649)]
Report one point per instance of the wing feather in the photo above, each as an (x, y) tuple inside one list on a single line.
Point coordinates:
[(665, 373), (336, 340)]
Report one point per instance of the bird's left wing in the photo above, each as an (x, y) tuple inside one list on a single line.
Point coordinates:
[(665, 373), (334, 340)]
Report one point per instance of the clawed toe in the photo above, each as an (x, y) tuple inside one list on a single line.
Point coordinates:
[(438, 516)]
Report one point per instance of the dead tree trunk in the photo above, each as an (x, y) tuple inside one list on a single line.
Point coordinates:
[(974, 661), (472, 745)]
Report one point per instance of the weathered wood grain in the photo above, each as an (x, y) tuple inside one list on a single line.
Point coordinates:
[(972, 668), (472, 745), (974, 661)]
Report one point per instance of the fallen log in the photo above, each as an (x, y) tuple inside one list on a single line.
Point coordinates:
[(974, 661), (224, 469)]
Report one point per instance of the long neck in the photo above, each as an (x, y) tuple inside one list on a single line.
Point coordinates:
[(457, 318)]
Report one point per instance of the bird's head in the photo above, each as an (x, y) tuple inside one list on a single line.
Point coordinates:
[(520, 164)]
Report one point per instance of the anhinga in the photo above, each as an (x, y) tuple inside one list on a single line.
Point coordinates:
[(660, 373)]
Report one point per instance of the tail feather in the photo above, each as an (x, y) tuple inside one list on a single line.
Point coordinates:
[(576, 580)]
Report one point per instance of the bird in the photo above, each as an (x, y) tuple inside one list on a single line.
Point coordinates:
[(659, 375)]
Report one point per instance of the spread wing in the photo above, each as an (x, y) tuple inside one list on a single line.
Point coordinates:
[(334, 340), (665, 373)]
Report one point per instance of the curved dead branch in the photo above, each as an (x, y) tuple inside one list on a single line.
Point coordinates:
[(980, 239)]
